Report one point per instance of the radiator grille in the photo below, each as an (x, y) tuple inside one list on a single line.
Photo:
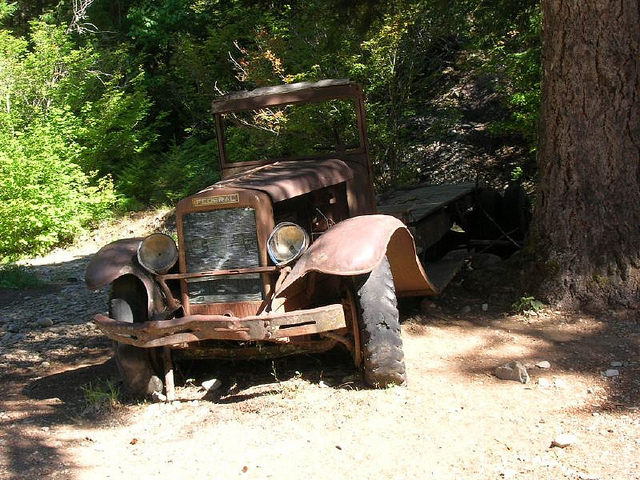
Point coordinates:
[(222, 240), (223, 289)]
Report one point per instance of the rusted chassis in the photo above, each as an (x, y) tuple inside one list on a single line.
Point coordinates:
[(352, 247)]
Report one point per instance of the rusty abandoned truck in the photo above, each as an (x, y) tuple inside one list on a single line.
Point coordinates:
[(281, 256)]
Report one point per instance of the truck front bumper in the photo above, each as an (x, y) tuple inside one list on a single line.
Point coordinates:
[(194, 328)]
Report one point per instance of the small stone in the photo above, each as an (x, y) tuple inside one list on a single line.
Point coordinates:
[(615, 364), (212, 384), (466, 309), (45, 322), (543, 364), (544, 382), (611, 372), (485, 307), (321, 384), (45, 364), (512, 371), (563, 440)]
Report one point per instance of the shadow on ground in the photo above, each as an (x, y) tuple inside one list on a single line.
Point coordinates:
[(49, 351), (573, 342), (44, 368)]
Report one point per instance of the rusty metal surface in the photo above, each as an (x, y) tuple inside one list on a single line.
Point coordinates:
[(235, 309), (117, 259), (218, 197), (261, 351), (355, 246), (112, 261), (361, 197), (213, 273), (195, 328), (285, 94), (288, 179)]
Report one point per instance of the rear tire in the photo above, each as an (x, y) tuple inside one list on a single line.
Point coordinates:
[(127, 303), (379, 326)]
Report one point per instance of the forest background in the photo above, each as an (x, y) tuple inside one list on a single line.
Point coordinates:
[(105, 104)]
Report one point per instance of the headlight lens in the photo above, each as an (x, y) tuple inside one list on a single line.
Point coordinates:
[(158, 253), (286, 243)]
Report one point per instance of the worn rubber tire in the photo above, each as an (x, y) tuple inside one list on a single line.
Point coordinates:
[(379, 326), (140, 377)]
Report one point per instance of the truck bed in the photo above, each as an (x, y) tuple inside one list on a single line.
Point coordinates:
[(423, 208), (415, 203)]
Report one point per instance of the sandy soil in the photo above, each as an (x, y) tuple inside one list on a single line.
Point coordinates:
[(310, 416)]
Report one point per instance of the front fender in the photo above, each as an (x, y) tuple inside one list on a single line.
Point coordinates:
[(117, 259), (357, 245)]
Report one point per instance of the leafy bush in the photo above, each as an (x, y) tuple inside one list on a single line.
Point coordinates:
[(132, 103), (62, 120), (186, 169), (46, 199), (527, 305), (513, 50)]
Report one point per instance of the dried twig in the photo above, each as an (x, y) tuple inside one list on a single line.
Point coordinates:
[(78, 22)]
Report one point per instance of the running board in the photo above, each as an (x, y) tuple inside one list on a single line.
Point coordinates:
[(442, 271)]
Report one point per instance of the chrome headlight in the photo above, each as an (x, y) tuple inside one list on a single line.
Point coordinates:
[(158, 253), (286, 243)]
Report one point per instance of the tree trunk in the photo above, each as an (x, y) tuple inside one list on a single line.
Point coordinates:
[(587, 219)]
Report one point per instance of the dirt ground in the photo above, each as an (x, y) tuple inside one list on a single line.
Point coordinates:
[(310, 416)]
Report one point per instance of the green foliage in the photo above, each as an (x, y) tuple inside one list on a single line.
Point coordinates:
[(46, 199), (17, 277), (114, 130), (517, 173), (294, 130), (87, 118), (513, 52), (7, 9), (57, 116), (186, 169), (527, 305), (100, 396)]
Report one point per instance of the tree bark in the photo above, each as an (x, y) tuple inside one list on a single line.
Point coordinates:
[(586, 230)]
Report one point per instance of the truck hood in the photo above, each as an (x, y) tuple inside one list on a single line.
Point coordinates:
[(291, 178)]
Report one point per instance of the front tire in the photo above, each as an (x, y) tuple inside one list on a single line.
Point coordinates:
[(379, 326), (127, 303)]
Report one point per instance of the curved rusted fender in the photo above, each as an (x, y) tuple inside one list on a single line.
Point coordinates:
[(356, 246), (117, 259)]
